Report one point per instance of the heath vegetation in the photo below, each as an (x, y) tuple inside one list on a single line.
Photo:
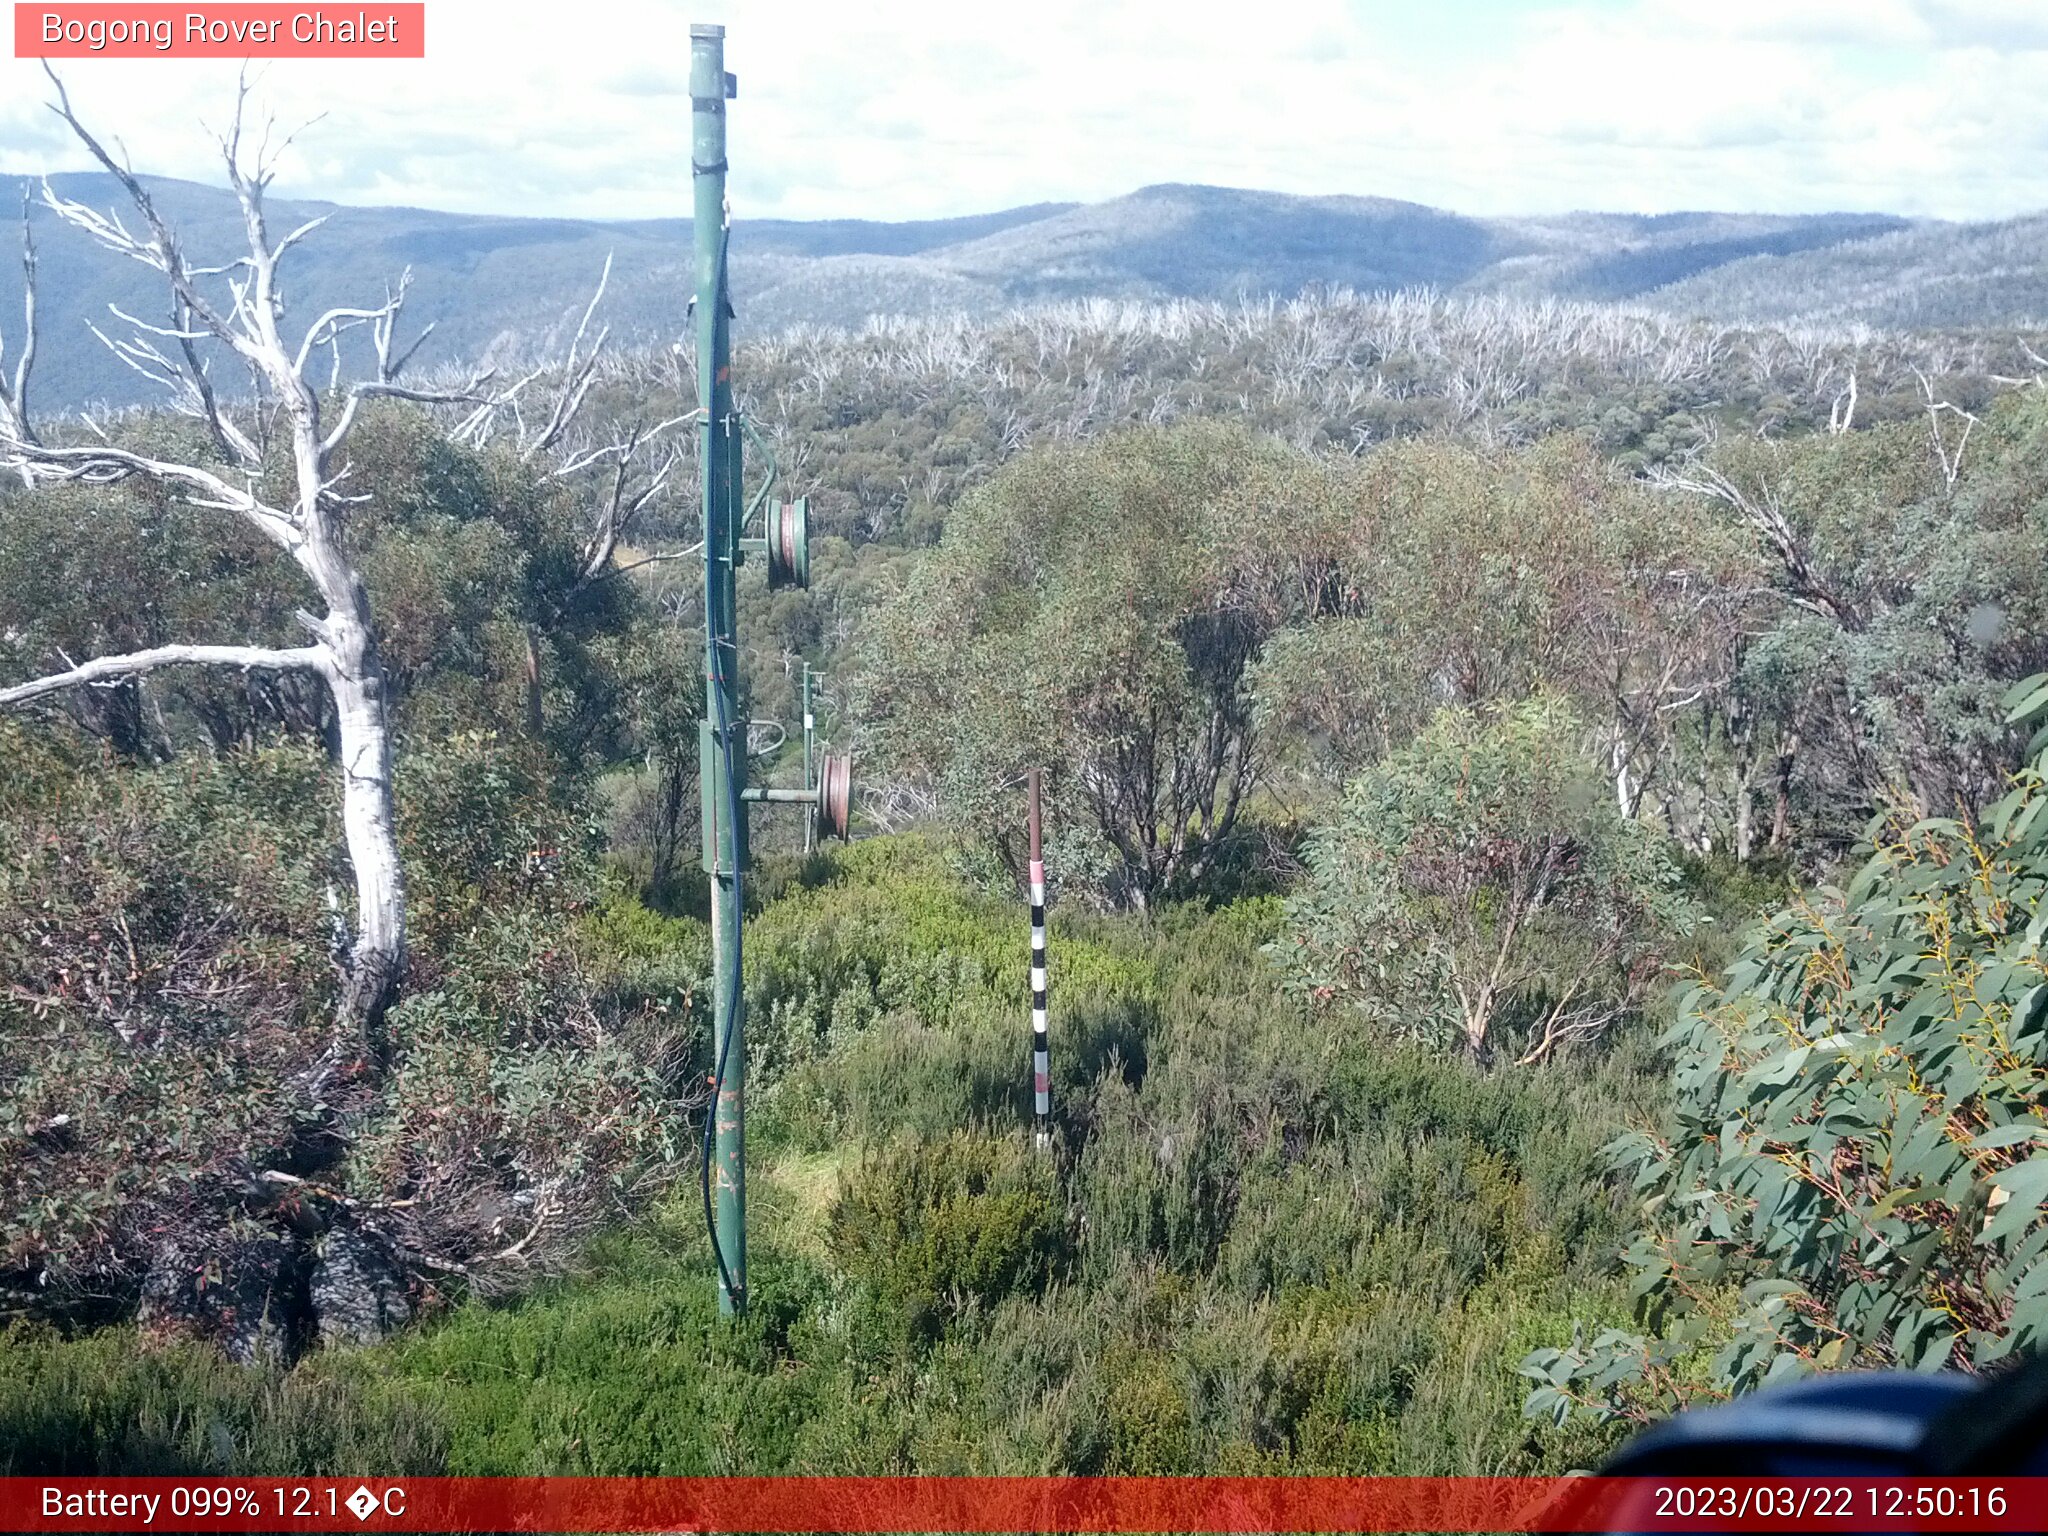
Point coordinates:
[(1547, 865)]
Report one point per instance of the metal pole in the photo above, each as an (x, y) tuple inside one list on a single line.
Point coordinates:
[(722, 739), (769, 795), (811, 815), (1041, 1059)]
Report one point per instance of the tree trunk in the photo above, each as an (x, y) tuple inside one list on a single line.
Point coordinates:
[(533, 694), (1628, 790), (1745, 819), (1781, 813), (1475, 1036), (1475, 1015), (355, 677), (377, 958), (673, 773)]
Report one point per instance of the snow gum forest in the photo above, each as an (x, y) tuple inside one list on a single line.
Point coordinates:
[(1544, 817)]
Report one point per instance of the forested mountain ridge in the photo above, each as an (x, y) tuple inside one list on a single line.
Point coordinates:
[(1928, 275), (503, 285), (1219, 242), (490, 285)]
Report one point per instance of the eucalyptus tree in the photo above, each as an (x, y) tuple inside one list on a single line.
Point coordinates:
[(1475, 576), (1851, 1173), (1895, 591), (1097, 611), (1479, 880)]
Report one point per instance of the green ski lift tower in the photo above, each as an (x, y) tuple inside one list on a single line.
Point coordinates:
[(784, 545)]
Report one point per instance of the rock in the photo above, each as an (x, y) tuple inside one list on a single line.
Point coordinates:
[(241, 1292), (358, 1294)]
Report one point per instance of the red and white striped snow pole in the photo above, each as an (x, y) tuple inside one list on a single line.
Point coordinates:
[(1041, 1060)]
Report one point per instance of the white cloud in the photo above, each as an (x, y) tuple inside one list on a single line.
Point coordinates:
[(918, 109)]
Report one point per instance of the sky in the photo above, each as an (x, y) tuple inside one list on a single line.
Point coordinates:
[(934, 108)]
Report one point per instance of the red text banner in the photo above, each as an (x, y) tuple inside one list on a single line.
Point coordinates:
[(239, 31), (992, 1504)]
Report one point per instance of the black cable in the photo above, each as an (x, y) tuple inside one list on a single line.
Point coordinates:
[(732, 800), (732, 1009)]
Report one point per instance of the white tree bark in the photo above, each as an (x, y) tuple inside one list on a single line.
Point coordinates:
[(308, 527), (14, 420), (113, 669), (1765, 516)]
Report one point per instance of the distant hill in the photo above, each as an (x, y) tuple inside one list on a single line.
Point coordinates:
[(497, 286), (1216, 242), (491, 285), (1935, 275)]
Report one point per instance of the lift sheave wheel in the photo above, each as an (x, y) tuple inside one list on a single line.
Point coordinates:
[(835, 796), (789, 544)]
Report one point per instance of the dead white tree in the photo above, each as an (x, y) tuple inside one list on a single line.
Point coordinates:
[(616, 471), (308, 524), (1947, 452), (1763, 513), (1842, 413), (240, 307)]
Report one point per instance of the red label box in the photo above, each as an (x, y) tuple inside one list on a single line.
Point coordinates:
[(377, 30)]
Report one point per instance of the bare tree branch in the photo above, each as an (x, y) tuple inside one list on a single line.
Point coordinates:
[(1765, 516), (24, 365), (623, 503), (383, 322), (113, 669), (1949, 457), (577, 377), (304, 229), (340, 318), (657, 559), (105, 465), (468, 394), (161, 252), (232, 441)]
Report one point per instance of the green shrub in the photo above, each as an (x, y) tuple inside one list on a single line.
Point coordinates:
[(486, 821), (1852, 1174), (1481, 880), (164, 1035), (938, 1228), (160, 937), (1255, 1246), (1151, 1433), (101, 1405)]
